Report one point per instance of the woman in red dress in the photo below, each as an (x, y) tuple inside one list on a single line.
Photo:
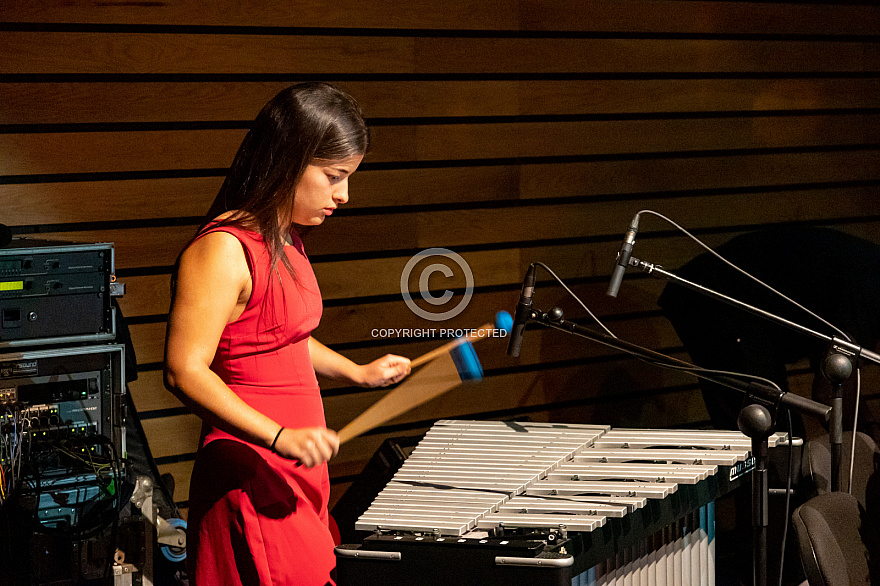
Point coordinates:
[(239, 350)]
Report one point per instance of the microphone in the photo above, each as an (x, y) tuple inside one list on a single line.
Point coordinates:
[(623, 257), (523, 310)]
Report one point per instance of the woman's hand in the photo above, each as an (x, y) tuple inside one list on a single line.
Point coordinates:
[(385, 371), (310, 445)]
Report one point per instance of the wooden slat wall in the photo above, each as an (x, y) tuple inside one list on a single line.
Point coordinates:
[(509, 131)]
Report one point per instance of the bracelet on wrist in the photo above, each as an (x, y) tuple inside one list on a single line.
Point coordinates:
[(275, 441)]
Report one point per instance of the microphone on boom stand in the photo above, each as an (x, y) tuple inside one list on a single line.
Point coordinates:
[(623, 257)]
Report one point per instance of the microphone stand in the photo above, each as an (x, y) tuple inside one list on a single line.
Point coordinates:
[(836, 368), (755, 421), (763, 393)]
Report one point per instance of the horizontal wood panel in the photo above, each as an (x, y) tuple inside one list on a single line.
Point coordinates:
[(87, 152), (89, 201), (149, 342), (687, 173), (699, 17), (146, 247), (122, 151), (134, 247), (148, 392), (628, 136), (63, 52), (446, 55), (174, 435), (123, 52), (383, 276), (347, 13), (603, 15), (101, 201), (146, 295), (107, 102)]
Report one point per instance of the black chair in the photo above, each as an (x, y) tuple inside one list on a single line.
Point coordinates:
[(833, 538), (866, 472)]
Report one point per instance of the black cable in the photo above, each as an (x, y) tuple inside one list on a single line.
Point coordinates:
[(103, 519)]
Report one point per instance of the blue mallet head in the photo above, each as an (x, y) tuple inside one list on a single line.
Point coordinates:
[(465, 359), (503, 321)]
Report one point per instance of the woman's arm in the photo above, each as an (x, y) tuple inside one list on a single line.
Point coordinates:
[(213, 288), (380, 373)]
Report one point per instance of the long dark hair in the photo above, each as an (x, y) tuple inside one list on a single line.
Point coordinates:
[(301, 125)]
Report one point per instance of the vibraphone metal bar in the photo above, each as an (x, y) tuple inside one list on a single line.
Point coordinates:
[(551, 504)]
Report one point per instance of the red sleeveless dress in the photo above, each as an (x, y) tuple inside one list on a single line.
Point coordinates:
[(254, 517)]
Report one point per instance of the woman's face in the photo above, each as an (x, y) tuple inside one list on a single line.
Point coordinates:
[(322, 188)]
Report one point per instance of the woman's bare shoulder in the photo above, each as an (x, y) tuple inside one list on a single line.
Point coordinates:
[(219, 253)]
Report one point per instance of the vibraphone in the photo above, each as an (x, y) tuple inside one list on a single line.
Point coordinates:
[(491, 502)]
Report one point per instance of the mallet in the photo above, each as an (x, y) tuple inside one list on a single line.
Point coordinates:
[(444, 369), (503, 321)]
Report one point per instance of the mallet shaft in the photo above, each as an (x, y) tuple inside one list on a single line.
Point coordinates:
[(481, 333)]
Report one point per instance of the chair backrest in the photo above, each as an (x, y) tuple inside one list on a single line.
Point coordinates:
[(829, 531), (817, 465)]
